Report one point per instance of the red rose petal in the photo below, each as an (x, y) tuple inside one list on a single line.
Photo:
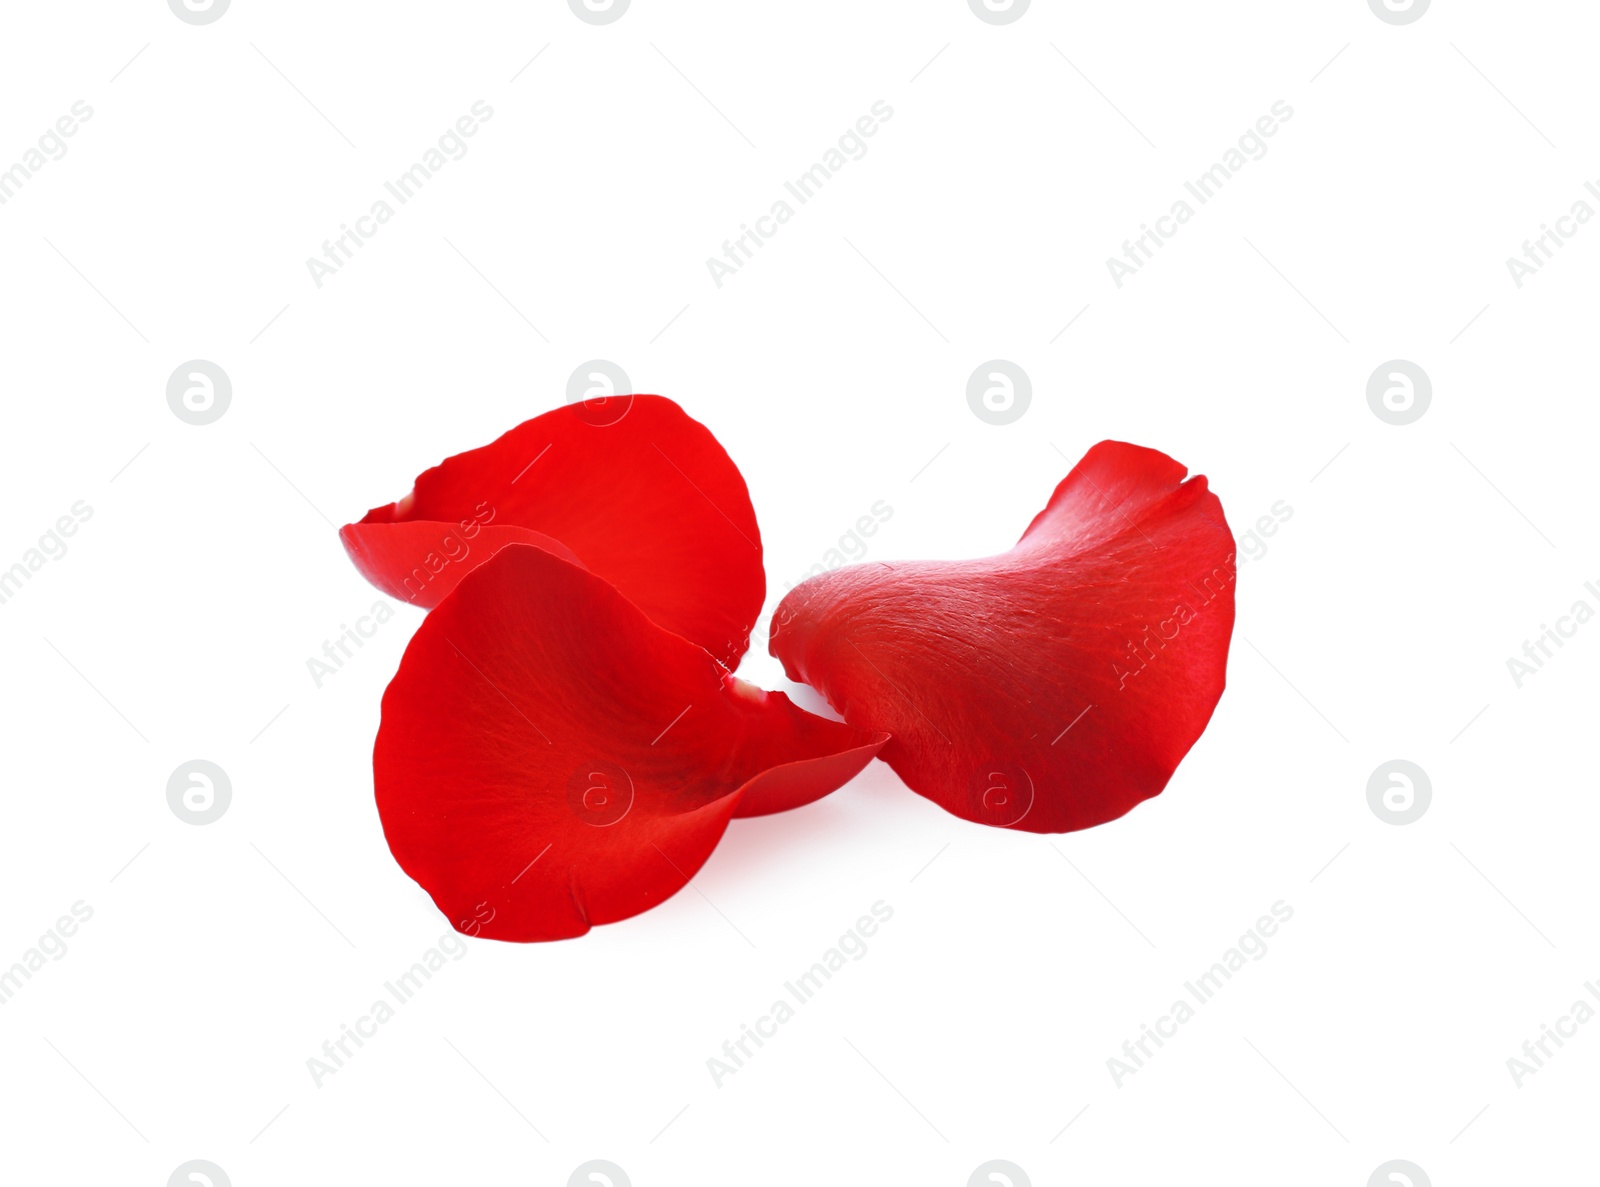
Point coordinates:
[(643, 497), (550, 759), (1052, 687)]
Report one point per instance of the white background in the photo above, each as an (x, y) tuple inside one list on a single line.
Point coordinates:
[(833, 367)]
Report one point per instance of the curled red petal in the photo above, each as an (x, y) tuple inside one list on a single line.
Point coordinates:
[(550, 759), (638, 493), (1054, 686)]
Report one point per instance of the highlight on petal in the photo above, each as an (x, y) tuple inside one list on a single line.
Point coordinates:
[(1054, 686), (550, 758), (634, 490)]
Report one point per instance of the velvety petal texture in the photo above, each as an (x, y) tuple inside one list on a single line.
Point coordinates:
[(1054, 686), (550, 758), (631, 488)]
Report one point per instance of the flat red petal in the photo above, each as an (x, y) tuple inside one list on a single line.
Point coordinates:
[(649, 501), (1052, 687), (550, 759)]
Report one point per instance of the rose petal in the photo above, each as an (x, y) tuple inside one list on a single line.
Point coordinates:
[(1054, 686), (649, 501), (550, 759)]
